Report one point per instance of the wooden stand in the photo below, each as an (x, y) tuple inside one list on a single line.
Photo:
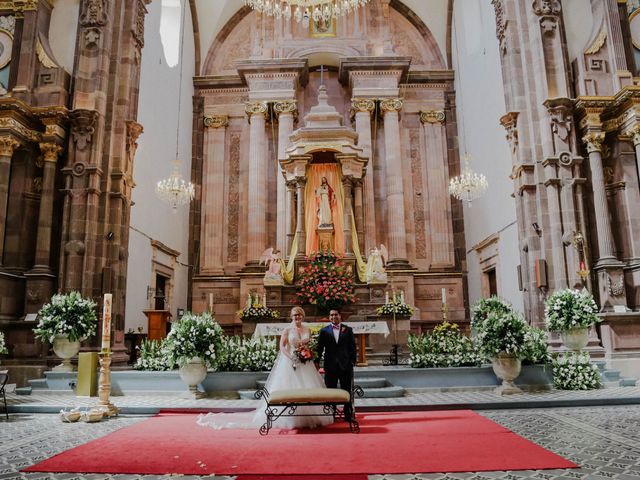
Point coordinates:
[(362, 355), (157, 323)]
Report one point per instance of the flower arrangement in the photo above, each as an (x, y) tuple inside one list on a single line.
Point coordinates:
[(568, 309), (483, 307), (256, 310), (501, 334), (445, 346), (302, 354), (67, 314), (248, 354), (3, 345), (325, 282), (153, 356), (395, 307), (536, 348), (195, 336), (574, 371)]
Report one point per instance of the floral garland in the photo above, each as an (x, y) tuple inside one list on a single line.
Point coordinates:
[(503, 334), (446, 346), (153, 356), (567, 309), (574, 371), (3, 345), (67, 314), (195, 336), (326, 282)]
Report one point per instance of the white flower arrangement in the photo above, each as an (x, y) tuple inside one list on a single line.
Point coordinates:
[(574, 371), (483, 307), (195, 336), (503, 334), (153, 356), (446, 346), (536, 348), (67, 314), (3, 345), (568, 309), (248, 354)]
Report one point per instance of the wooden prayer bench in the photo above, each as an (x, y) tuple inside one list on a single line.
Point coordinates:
[(284, 403)]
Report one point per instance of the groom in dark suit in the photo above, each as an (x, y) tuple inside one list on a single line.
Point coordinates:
[(338, 344)]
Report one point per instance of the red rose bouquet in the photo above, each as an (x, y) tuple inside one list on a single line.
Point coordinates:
[(302, 354)]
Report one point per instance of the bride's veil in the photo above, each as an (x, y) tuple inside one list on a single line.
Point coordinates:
[(273, 377)]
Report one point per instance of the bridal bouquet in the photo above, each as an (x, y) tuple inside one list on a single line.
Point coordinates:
[(302, 354)]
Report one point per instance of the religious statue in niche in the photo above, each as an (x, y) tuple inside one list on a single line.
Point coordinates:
[(325, 199), (272, 258), (375, 271)]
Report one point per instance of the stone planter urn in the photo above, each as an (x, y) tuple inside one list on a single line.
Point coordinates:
[(193, 373), (576, 338), (507, 368), (65, 349)]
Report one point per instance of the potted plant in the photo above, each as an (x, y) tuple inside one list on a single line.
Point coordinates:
[(194, 344), (571, 313), (503, 339), (64, 322), (483, 307)]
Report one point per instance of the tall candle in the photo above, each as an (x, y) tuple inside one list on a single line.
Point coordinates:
[(106, 322), (401, 296), (211, 302), (264, 299), (444, 296), (386, 297)]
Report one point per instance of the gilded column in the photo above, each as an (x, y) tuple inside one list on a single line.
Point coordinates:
[(395, 197), (362, 108), (347, 184), (50, 152), (300, 230), (212, 210), (593, 141), (257, 184), (437, 181), (286, 111), (8, 145)]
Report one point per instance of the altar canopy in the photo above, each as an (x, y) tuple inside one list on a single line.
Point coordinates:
[(333, 174)]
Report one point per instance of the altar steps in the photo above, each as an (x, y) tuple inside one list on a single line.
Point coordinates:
[(373, 388)]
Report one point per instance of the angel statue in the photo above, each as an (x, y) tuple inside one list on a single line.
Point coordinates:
[(375, 271), (273, 260)]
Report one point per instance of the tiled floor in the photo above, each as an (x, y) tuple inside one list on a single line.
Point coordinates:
[(605, 441)]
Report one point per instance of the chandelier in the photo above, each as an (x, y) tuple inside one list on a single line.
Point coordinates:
[(174, 190), (469, 185), (302, 10)]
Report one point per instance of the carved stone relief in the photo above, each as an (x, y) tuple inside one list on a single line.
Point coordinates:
[(418, 193), (233, 199), (82, 127), (94, 13)]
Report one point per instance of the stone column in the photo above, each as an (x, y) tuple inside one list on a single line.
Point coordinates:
[(439, 204), (286, 111), (212, 211), (347, 183), (50, 153), (359, 212), (8, 145), (593, 141), (291, 215), (634, 133), (395, 197), (300, 230), (363, 107), (257, 184)]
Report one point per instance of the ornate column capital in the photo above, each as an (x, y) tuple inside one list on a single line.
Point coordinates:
[(83, 126), (256, 108), (510, 123), (593, 141), (8, 144), (634, 134), (391, 105), (216, 121), (432, 116), (50, 151), (501, 24), (285, 106), (362, 105)]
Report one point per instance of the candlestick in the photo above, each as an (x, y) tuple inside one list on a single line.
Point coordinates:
[(106, 322), (444, 296)]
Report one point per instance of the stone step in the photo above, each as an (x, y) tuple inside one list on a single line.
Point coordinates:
[(23, 391), (627, 382), (381, 392), (364, 382), (39, 384), (611, 375)]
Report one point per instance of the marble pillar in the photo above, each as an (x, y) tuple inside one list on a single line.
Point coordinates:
[(347, 187), (257, 183), (300, 230), (212, 211), (363, 108), (286, 111), (291, 215), (8, 145), (395, 197)]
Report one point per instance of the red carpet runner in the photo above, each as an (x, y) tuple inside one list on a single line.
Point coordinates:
[(394, 442)]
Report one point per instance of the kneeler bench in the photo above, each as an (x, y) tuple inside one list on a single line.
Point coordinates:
[(285, 403)]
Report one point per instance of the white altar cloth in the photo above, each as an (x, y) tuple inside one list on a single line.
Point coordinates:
[(359, 328)]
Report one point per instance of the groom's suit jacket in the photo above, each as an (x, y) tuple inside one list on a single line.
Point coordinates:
[(338, 356)]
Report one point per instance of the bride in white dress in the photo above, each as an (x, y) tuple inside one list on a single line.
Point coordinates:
[(283, 376)]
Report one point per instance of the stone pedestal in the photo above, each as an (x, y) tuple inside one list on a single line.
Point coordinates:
[(325, 238)]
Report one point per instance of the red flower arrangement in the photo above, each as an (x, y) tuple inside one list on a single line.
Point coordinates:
[(326, 282)]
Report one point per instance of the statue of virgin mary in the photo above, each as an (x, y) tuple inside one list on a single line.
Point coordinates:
[(325, 198)]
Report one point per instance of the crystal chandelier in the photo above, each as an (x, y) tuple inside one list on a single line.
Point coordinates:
[(174, 190), (469, 185), (302, 10)]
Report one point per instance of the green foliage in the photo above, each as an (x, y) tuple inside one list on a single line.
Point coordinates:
[(195, 336), (446, 346), (67, 314), (254, 354), (481, 309), (326, 282), (503, 333), (536, 349), (567, 309), (574, 371), (153, 356)]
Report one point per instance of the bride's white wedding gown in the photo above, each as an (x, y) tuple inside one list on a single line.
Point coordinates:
[(282, 377)]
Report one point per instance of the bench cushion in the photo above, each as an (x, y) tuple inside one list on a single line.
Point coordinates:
[(309, 395)]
